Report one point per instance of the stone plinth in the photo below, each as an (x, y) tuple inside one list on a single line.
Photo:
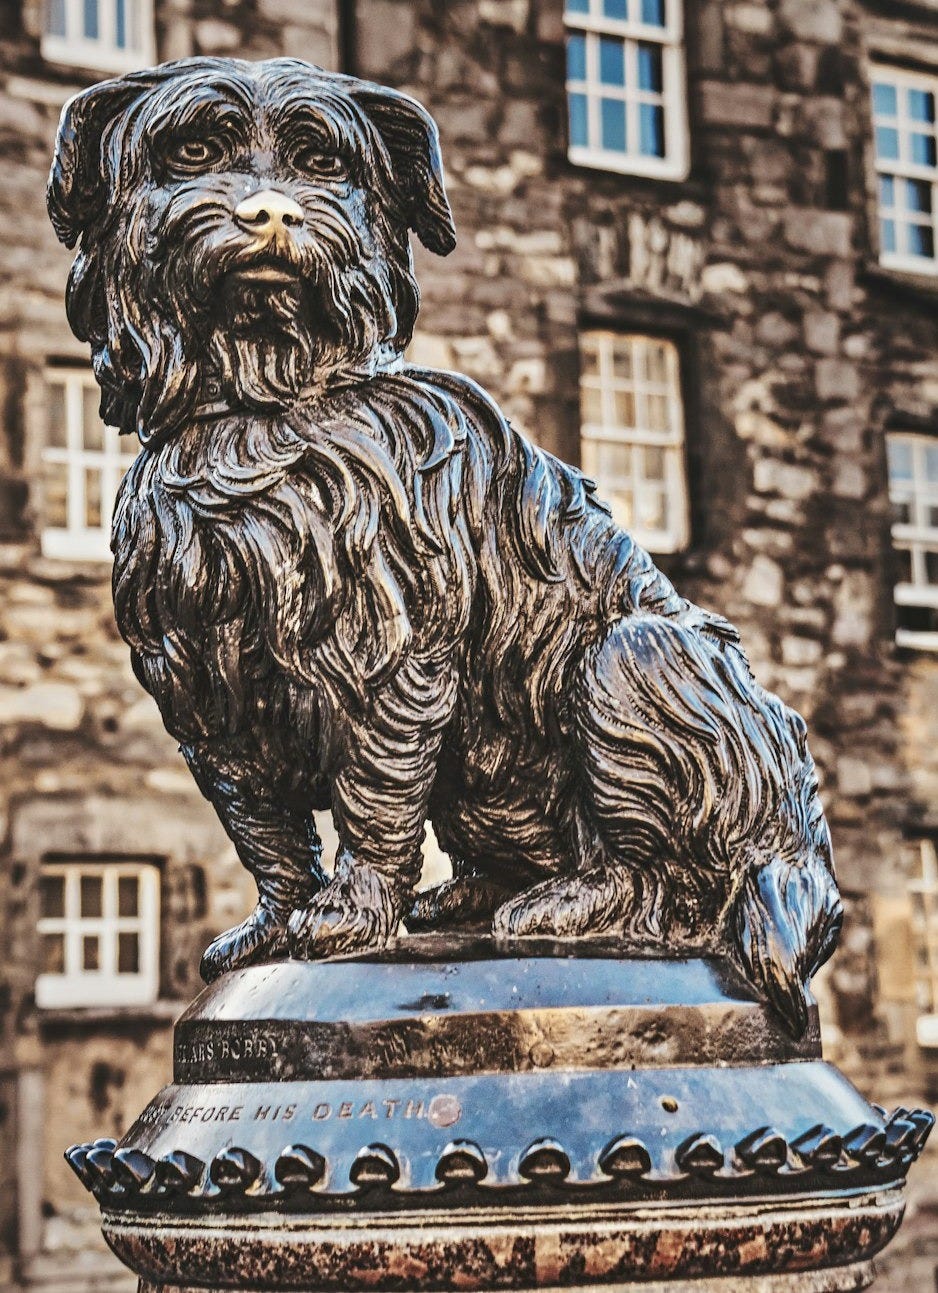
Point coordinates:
[(479, 1116)]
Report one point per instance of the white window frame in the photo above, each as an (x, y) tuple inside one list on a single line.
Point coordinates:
[(673, 98), (903, 168), (78, 541), (672, 442), (74, 49), (924, 893), (78, 987), (915, 536)]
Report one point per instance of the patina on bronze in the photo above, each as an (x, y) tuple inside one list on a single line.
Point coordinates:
[(350, 584)]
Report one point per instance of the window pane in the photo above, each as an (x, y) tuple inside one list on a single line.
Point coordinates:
[(921, 105), (921, 240), (622, 502), (923, 150), (578, 6), (55, 17), (917, 195), (128, 954), (120, 24), (613, 125), (652, 130), (658, 419), (56, 427), (649, 67), (653, 462), (624, 408), (589, 361), (931, 567), (885, 103), (931, 463), (53, 953), (887, 234), (128, 889), (578, 119), (55, 495), (653, 12), (52, 895), (656, 359), (887, 142), (613, 461), (92, 888), (92, 429), (901, 511), (611, 61), (93, 514), (931, 515), (90, 952), (887, 191), (91, 19), (903, 566), (592, 405), (900, 459), (650, 509), (576, 58), (617, 9), (622, 360)]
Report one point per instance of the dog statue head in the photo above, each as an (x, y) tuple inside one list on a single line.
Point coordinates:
[(242, 232)]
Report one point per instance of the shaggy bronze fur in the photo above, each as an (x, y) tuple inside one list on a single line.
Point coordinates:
[(349, 583)]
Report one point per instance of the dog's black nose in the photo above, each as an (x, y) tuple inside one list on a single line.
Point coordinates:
[(268, 212)]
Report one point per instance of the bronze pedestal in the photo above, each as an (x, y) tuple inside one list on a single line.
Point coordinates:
[(473, 1115)]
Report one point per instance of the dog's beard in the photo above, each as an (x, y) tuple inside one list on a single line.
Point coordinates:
[(266, 351)]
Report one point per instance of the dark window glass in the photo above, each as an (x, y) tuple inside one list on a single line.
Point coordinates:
[(128, 954), (576, 58), (92, 888), (611, 61), (578, 119), (613, 125), (53, 954), (52, 895), (921, 239), (652, 128), (885, 103), (90, 952), (650, 75), (127, 895), (91, 20)]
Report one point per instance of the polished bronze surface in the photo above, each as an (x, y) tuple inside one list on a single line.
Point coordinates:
[(349, 583)]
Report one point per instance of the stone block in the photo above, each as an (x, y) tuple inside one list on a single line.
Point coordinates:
[(214, 36), (385, 34), (505, 13), (764, 582), (754, 19), (770, 476), (818, 21), (854, 778), (837, 379), (723, 277), (822, 233), (821, 331), (726, 103), (48, 704)]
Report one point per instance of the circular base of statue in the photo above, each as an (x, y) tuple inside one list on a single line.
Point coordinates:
[(482, 1116)]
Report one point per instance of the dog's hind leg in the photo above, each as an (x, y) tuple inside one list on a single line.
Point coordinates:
[(275, 836), (469, 898), (591, 902)]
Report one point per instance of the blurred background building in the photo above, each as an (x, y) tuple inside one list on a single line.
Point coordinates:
[(697, 254)]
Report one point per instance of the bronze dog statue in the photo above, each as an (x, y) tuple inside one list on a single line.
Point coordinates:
[(350, 584)]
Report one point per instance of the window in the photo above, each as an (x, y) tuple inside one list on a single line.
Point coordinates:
[(99, 933), (83, 462), (110, 35), (633, 434), (625, 86), (924, 893), (906, 140), (913, 493)]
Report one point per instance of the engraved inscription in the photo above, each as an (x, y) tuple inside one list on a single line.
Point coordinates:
[(441, 1110), (221, 1051)]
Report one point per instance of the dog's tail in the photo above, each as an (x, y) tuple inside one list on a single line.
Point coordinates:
[(787, 918)]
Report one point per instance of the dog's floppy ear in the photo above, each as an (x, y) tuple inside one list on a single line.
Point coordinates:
[(78, 184), (413, 143)]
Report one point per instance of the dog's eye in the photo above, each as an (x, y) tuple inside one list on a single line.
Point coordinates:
[(317, 162), (193, 154)]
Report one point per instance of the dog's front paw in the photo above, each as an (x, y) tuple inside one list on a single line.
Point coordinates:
[(355, 912), (261, 937)]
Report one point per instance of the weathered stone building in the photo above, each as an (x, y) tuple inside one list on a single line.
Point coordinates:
[(697, 253)]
